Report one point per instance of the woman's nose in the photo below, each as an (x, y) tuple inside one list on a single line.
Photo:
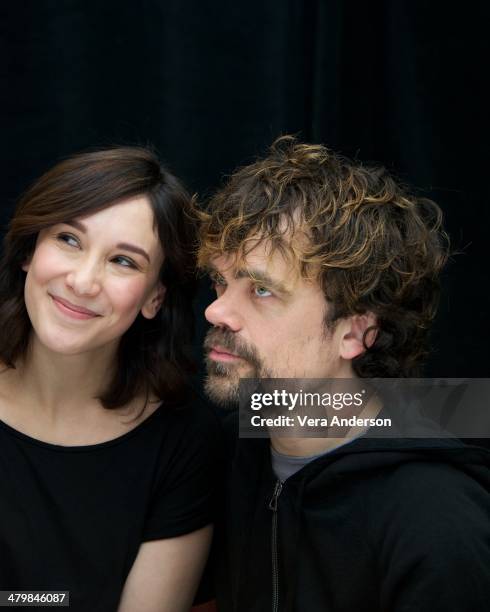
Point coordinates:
[(85, 279)]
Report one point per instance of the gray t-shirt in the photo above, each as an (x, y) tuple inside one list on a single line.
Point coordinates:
[(285, 466)]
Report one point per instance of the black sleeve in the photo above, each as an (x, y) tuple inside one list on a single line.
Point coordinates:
[(185, 496), (436, 543)]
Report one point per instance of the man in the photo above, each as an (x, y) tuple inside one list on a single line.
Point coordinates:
[(324, 268)]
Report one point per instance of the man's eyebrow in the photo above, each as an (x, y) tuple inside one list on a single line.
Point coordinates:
[(254, 274), (262, 277), (120, 245)]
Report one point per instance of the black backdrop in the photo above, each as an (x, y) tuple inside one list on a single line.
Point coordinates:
[(210, 84)]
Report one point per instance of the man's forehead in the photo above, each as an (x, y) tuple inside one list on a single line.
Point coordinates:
[(254, 255)]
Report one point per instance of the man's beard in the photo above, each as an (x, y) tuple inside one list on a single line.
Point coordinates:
[(223, 379)]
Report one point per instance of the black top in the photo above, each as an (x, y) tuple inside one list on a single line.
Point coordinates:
[(73, 518)]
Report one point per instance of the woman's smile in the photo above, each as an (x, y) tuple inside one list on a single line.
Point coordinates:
[(72, 310)]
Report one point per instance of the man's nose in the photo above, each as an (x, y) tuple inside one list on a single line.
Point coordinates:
[(85, 278), (225, 312)]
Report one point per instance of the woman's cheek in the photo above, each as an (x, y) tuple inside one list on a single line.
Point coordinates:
[(128, 296), (46, 263)]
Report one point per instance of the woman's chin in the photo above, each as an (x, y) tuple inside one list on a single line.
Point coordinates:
[(63, 344)]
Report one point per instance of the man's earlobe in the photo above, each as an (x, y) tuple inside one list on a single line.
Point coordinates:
[(361, 333), (154, 302)]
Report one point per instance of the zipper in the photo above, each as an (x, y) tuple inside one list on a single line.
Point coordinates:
[(275, 556)]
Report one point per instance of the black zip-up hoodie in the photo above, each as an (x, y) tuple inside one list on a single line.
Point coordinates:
[(379, 525)]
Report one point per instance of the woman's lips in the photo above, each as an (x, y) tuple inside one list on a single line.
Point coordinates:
[(217, 353), (72, 310)]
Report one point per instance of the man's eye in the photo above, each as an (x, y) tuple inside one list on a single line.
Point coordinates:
[(125, 262), (262, 292), (68, 239)]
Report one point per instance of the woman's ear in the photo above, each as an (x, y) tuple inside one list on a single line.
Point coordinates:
[(26, 264), (360, 329), (154, 302)]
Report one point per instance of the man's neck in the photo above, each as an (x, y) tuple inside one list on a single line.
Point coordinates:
[(308, 447), (305, 447)]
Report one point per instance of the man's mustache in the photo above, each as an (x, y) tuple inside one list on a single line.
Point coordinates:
[(228, 340)]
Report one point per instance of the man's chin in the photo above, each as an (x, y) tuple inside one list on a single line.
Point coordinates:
[(222, 390)]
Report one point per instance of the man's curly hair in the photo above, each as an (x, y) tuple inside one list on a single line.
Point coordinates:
[(372, 245)]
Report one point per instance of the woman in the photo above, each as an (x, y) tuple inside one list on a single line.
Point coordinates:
[(106, 463)]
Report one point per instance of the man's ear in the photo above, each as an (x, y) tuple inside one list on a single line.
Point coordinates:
[(358, 328), (153, 302)]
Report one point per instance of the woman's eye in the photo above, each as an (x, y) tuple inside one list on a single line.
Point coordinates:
[(262, 292), (125, 262), (68, 239)]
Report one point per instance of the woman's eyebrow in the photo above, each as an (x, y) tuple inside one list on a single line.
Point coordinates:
[(134, 249), (77, 225), (121, 245)]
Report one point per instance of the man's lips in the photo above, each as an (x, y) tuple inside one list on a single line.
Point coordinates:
[(218, 353), (73, 310)]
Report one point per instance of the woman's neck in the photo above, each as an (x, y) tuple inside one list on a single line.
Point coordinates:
[(63, 382)]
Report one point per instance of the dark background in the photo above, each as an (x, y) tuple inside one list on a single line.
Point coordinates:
[(211, 84)]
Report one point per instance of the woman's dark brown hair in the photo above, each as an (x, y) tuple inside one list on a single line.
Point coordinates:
[(152, 357)]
